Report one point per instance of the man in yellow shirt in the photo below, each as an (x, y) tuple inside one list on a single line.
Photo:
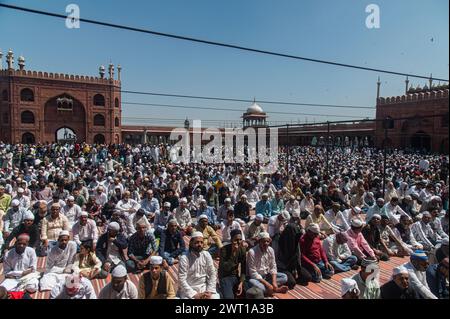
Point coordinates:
[(208, 232), (156, 284), (5, 199)]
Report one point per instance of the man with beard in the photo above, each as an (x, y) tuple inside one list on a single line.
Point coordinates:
[(52, 226), (423, 232), (27, 227), (74, 287), (403, 231), (20, 266), (156, 284), (120, 286), (111, 247), (197, 273), (398, 287), (141, 246), (417, 274), (232, 266), (262, 269), (349, 289), (172, 245), (59, 261)]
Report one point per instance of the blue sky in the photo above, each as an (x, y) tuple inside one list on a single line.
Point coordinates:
[(328, 30)]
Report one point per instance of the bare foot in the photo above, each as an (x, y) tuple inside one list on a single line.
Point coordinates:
[(282, 289)]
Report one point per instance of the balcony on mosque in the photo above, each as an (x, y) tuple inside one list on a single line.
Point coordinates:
[(254, 117)]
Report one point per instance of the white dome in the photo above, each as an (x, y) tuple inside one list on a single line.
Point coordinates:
[(255, 108)]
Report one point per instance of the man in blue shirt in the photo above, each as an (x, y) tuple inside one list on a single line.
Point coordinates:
[(208, 211), (171, 244), (264, 207)]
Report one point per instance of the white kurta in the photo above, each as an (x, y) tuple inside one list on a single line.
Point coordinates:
[(59, 263), (15, 264), (197, 274)]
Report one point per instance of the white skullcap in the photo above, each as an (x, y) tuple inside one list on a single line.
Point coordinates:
[(203, 216), (285, 215), (356, 222), (348, 284), (15, 203), (119, 271), (156, 260), (259, 217), (64, 233), (20, 190), (244, 196), (203, 201), (296, 214), (73, 281), (28, 215), (408, 197), (197, 234), (399, 270), (263, 235), (313, 227), (166, 204), (183, 200), (357, 209), (114, 226), (375, 215), (227, 200), (426, 213), (84, 214), (265, 195), (71, 198), (444, 241)]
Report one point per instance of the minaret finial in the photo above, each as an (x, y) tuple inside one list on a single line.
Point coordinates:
[(378, 88), (431, 81), (407, 85)]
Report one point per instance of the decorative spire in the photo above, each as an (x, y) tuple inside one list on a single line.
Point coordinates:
[(111, 71), (431, 80), (378, 88), (1, 61), (10, 59), (21, 62), (101, 71), (119, 69), (407, 85)]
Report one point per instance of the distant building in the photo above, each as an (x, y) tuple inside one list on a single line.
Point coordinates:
[(41, 107), (427, 127)]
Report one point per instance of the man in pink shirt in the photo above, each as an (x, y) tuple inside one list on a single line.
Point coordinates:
[(356, 241)]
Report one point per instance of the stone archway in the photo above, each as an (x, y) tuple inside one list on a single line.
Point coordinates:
[(64, 111), (28, 138), (65, 135)]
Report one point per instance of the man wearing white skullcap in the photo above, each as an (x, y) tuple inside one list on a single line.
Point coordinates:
[(197, 275), (424, 233), (223, 210), (85, 229), (120, 286), (156, 284), (253, 229), (313, 256), (26, 227), (264, 207), (20, 267), (398, 286), (209, 234), (204, 209), (13, 218), (183, 217), (262, 269), (59, 261), (172, 245), (356, 241), (111, 247), (74, 287), (242, 209), (24, 201), (71, 210), (349, 289), (141, 246), (52, 225)]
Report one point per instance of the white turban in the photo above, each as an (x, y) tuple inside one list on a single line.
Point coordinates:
[(114, 226), (28, 215), (64, 233), (314, 228), (119, 271), (196, 234), (156, 260), (263, 235), (348, 284)]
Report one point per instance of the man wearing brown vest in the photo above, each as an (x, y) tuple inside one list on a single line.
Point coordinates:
[(156, 284)]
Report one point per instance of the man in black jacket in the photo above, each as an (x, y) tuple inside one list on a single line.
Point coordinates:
[(398, 287), (111, 247)]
